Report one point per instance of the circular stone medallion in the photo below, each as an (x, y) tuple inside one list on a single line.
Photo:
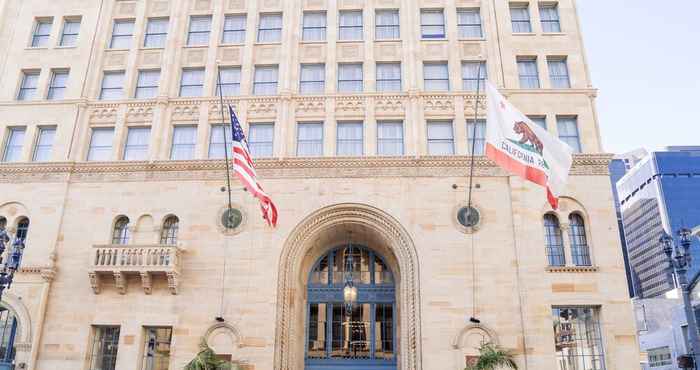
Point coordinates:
[(468, 217), (231, 218)]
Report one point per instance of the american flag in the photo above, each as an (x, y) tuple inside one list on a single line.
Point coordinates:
[(243, 166)]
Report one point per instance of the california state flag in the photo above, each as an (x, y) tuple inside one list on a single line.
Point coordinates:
[(524, 148)]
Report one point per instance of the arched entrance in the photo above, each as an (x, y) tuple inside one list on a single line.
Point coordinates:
[(8, 335)]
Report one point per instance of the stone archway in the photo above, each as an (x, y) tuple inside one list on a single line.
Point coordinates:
[(303, 244)]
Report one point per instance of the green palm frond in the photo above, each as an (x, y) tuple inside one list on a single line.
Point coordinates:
[(492, 357), (206, 360)]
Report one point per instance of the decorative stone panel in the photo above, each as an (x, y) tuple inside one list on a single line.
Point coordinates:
[(115, 59), (230, 55), (263, 107), (202, 5), (473, 50), (271, 4), (438, 105), (435, 50), (125, 8), (139, 113), (388, 51), (313, 53), (151, 58), (350, 105), (389, 105), (267, 54), (236, 5), (194, 56), (160, 7), (185, 112), (350, 52), (351, 4), (106, 113), (215, 112), (469, 105), (311, 106), (315, 5)]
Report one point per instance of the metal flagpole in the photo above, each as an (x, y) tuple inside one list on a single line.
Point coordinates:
[(469, 196)]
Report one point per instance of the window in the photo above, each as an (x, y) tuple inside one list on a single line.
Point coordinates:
[(230, 81), (22, 229), (314, 28), (220, 139), (660, 357), (122, 31), (156, 352), (558, 73), (13, 148), (349, 139), (44, 144), (310, 139), (3, 223), (520, 18), (474, 73), (168, 235), (390, 138), (440, 138), (270, 28), (579, 245), (469, 24), (549, 16), (350, 25), (184, 141), (553, 241), (388, 77), (477, 135), (539, 121), (527, 71), (568, 132), (260, 139), (432, 24), (350, 77), (136, 147), (112, 85), (42, 31), (313, 78), (57, 86), (105, 345), (192, 82), (387, 25), (69, 35), (200, 28), (27, 90), (101, 144), (121, 232), (234, 29), (577, 338), (156, 33), (265, 82), (147, 84), (436, 76)]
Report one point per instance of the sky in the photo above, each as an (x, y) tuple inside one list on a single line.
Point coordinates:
[(644, 57)]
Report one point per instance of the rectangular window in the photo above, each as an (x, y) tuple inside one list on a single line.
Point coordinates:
[(388, 26), (27, 90), (390, 138), (136, 147), (349, 141), (310, 139), (57, 86), (200, 28), (156, 33), (440, 138), (42, 31), (314, 28), (156, 351), (234, 29), (260, 139), (184, 142), (44, 144), (112, 85), (477, 136), (388, 77), (13, 148), (469, 23), (568, 132), (520, 18), (558, 73), (230, 83), (474, 73), (549, 15), (528, 74), (220, 139), (192, 82), (147, 84), (432, 24), (270, 28), (577, 338), (265, 82), (69, 35), (660, 357), (436, 76), (312, 79), (122, 32), (350, 25), (539, 121), (105, 345), (101, 144), (350, 77)]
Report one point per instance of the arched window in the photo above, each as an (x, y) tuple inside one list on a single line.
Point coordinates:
[(580, 254), (554, 241), (22, 228), (8, 331), (168, 234), (3, 223), (121, 231)]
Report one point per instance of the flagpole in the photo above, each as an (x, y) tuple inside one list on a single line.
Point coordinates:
[(228, 185), (473, 133)]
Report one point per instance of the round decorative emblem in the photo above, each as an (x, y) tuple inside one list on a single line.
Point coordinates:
[(231, 218), (468, 216)]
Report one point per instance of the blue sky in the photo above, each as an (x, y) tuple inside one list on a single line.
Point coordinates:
[(644, 57)]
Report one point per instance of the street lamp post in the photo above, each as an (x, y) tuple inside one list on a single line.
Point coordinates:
[(12, 262)]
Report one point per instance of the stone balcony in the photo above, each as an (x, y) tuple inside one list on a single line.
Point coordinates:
[(147, 261)]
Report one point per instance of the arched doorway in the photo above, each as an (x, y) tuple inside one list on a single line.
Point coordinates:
[(8, 335), (342, 337)]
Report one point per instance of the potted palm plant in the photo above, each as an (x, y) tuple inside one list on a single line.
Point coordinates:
[(492, 357), (206, 360)]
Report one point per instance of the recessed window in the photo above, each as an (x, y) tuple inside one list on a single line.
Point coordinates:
[(474, 74), (192, 82), (156, 350), (476, 135), (184, 142), (390, 138), (156, 33), (388, 77), (168, 235), (69, 35), (436, 76), (27, 90), (549, 16), (270, 28), (387, 25), (13, 147), (265, 81), (527, 73), (234, 29), (553, 241), (200, 28), (312, 80), (577, 337), (22, 229), (147, 84), (558, 73), (568, 132), (105, 345), (539, 121), (230, 81), (136, 147), (580, 253), (432, 24), (220, 140), (310, 139), (121, 232), (314, 27), (350, 77), (122, 32), (112, 85), (469, 23), (350, 141), (520, 18), (101, 144), (660, 356), (42, 32), (44, 144), (260, 139), (350, 25), (440, 138), (57, 86)]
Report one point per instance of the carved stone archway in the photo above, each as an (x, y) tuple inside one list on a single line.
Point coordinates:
[(289, 337), (23, 339)]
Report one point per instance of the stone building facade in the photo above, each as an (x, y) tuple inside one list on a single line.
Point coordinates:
[(358, 112)]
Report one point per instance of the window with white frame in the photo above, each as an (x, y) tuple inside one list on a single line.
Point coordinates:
[(199, 31), (474, 73), (432, 24), (390, 138), (28, 87), (192, 82), (310, 139), (234, 29), (270, 28), (388, 76), (440, 138), (57, 85), (350, 77), (122, 32), (520, 17), (469, 23), (260, 139), (44, 144), (220, 139), (436, 76), (476, 135), (112, 85), (314, 26), (136, 146), (350, 25), (104, 348), (387, 24), (229, 81), (101, 144), (577, 338), (69, 34), (660, 356), (349, 139), (13, 146), (558, 72), (42, 32), (549, 17), (568, 132), (265, 80), (184, 142), (312, 80), (156, 33), (528, 73), (539, 121), (147, 84)]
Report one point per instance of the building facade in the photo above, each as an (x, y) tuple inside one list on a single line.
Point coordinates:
[(358, 113)]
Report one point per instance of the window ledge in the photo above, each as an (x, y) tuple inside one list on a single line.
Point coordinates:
[(222, 45), (572, 269), (524, 34), (66, 47), (553, 33), (151, 48), (479, 39), (269, 43), (36, 48), (195, 46), (349, 41), (436, 39), (387, 40), (313, 42), (111, 50)]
